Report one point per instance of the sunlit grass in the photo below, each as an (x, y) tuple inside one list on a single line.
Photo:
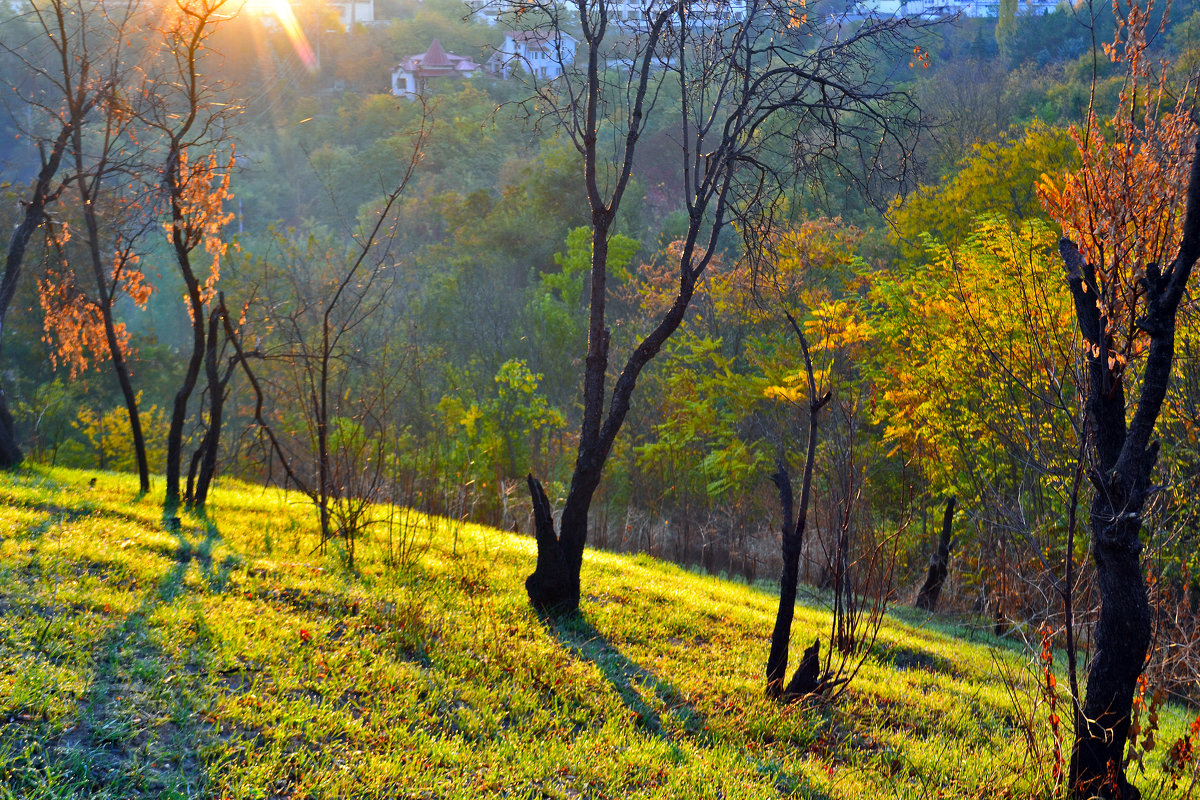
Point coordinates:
[(231, 658)]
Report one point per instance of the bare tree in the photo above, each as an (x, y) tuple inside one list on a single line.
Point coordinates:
[(860, 563), (807, 677), (336, 372), (753, 103)]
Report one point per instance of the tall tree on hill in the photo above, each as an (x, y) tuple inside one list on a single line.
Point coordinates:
[(72, 61), (85, 88), (1131, 223), (754, 103), (194, 183), (1006, 30)]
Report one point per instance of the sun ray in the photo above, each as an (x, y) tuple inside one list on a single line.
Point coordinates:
[(281, 11)]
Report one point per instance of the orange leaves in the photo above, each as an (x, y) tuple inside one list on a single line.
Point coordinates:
[(198, 209), (73, 324), (1123, 206), (797, 17)]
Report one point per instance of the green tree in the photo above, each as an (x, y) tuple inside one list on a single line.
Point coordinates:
[(1006, 30), (998, 177)]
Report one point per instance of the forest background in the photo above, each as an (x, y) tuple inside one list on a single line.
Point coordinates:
[(937, 317)]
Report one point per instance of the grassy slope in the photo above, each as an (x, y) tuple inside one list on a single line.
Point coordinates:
[(229, 659)]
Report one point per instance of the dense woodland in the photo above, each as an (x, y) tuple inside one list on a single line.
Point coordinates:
[(408, 281)]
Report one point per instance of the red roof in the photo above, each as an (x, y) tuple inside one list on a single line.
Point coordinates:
[(436, 60), (435, 56)]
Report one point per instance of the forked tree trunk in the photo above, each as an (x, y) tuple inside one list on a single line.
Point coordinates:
[(191, 375), (939, 563), (554, 584), (1125, 461), (203, 465)]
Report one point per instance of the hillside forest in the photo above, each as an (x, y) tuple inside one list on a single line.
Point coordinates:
[(937, 307)]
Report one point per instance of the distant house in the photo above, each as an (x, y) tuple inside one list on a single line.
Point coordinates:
[(542, 55), (354, 12), (931, 9), (625, 13), (410, 76)]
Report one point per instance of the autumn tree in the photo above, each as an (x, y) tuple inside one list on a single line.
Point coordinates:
[(187, 123), (73, 62), (1131, 235), (985, 403), (94, 82), (752, 104)]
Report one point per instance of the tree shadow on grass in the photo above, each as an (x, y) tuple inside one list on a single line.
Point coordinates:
[(138, 727), (644, 693), (659, 708), (214, 574)]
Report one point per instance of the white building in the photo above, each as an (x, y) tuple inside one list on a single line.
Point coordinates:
[(542, 55), (354, 12), (412, 75), (945, 8), (625, 13)]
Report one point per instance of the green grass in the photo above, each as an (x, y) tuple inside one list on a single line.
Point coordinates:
[(230, 658)]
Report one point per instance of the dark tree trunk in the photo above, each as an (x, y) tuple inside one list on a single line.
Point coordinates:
[(793, 541), (190, 376), (120, 367), (1125, 459), (807, 677), (88, 191), (35, 213), (216, 399), (189, 492), (1122, 638), (939, 562), (10, 451), (554, 584)]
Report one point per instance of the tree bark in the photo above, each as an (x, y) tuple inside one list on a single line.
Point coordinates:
[(35, 213), (191, 373), (793, 541), (807, 677), (1125, 458), (216, 408), (939, 563), (554, 585)]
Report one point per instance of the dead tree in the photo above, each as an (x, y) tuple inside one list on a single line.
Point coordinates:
[(939, 563), (755, 102)]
